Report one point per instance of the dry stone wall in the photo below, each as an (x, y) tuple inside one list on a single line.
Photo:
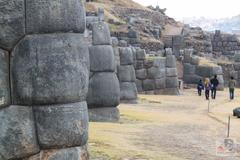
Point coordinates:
[(104, 90), (194, 71), (157, 75), (126, 75), (225, 44), (44, 57)]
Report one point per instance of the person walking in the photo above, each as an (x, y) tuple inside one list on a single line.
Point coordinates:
[(231, 85), (200, 87), (214, 84), (207, 86)]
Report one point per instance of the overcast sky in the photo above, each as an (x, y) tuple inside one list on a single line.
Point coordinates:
[(197, 8)]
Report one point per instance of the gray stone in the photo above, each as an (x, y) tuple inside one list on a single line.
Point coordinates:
[(168, 51), (204, 71), (12, 22), (217, 70), (123, 43), (126, 73), (195, 60), (76, 153), (171, 82), (189, 69), (115, 41), (126, 56), (171, 61), (108, 114), (139, 85), (171, 72), (171, 91), (101, 14), (160, 62), (101, 58), (221, 82), (160, 83), (155, 73), (236, 112), (62, 125), (188, 55), (128, 91), (141, 74), (17, 136), (49, 69), (55, 16), (4, 79), (104, 91), (139, 64), (237, 66), (191, 79), (90, 20), (101, 34), (148, 85), (140, 54)]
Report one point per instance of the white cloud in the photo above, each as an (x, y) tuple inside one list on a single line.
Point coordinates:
[(197, 8)]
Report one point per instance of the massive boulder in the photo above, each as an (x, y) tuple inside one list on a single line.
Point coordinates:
[(12, 22), (128, 91), (50, 69), (101, 34), (102, 59), (17, 136), (126, 56), (126, 73), (55, 16), (104, 90), (62, 125), (75, 153)]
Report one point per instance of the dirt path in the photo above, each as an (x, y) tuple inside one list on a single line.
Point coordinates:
[(166, 127)]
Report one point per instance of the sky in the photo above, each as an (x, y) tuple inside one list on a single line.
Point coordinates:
[(179, 9)]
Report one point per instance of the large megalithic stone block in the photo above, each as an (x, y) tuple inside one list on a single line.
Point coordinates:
[(50, 69), (106, 114), (75, 153), (12, 22), (17, 133), (64, 125), (128, 91), (171, 61), (156, 73), (102, 58), (126, 56), (101, 34), (189, 69), (51, 16), (104, 90), (148, 85), (171, 72), (192, 78), (126, 73), (171, 82), (4, 79)]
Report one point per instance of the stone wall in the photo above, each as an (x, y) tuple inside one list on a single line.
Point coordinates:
[(104, 90), (156, 75), (194, 70), (225, 44), (44, 111), (126, 75)]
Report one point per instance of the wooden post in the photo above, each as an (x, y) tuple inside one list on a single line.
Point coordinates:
[(229, 121)]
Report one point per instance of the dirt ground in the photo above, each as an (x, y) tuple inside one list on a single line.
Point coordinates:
[(167, 128)]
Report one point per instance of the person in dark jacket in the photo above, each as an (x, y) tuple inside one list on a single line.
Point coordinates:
[(214, 84), (200, 87), (231, 85)]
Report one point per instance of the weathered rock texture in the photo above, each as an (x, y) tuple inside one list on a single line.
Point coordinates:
[(126, 75), (225, 44), (44, 113), (194, 69), (104, 89), (156, 75)]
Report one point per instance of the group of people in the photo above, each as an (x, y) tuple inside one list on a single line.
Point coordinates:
[(211, 86)]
